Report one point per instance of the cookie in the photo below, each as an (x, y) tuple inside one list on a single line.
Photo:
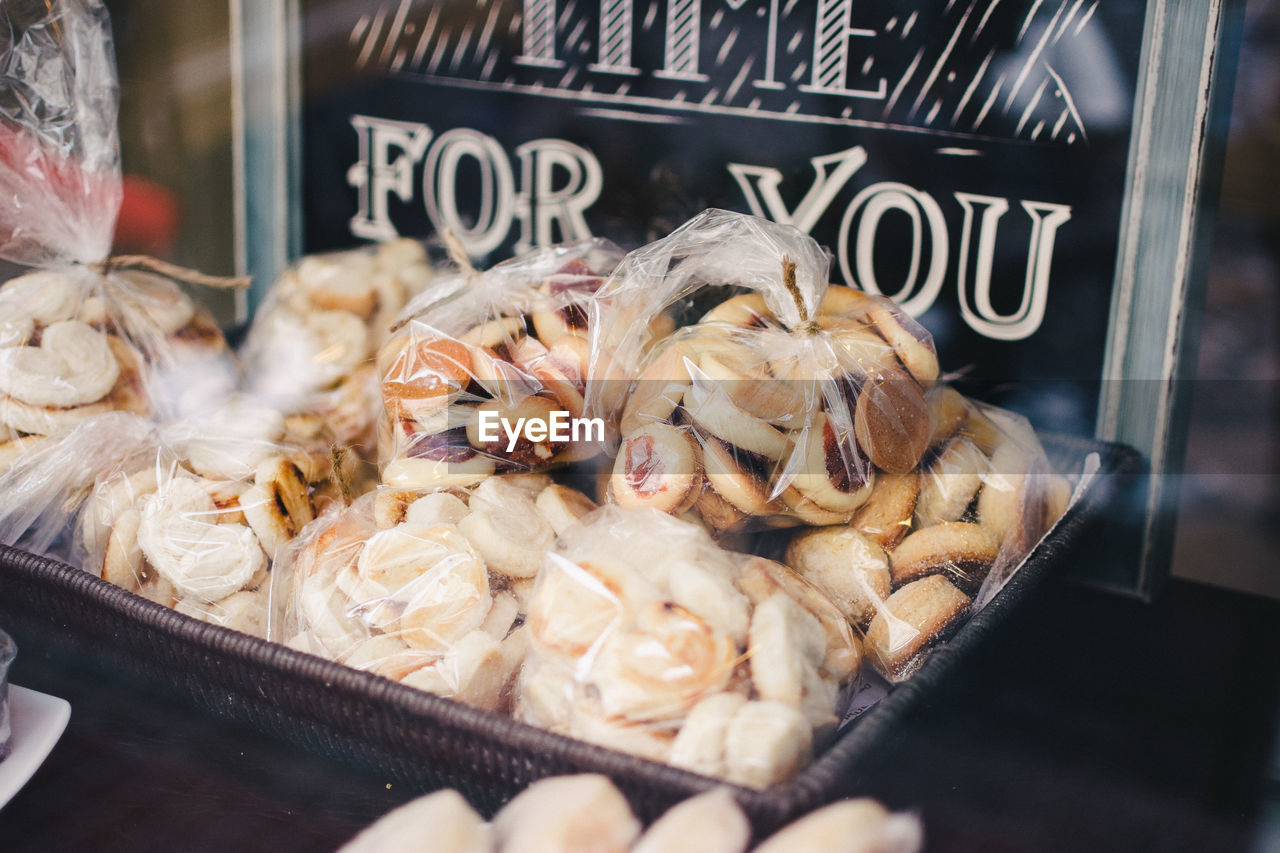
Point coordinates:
[(962, 551), (657, 466), (887, 514), (892, 421), (849, 566), (911, 619)]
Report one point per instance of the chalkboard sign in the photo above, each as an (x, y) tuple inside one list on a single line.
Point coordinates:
[(1021, 175)]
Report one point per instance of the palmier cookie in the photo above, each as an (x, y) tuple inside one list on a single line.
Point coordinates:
[(833, 474), (850, 567), (887, 514), (916, 356), (951, 483), (911, 619), (658, 466), (892, 421), (964, 552)]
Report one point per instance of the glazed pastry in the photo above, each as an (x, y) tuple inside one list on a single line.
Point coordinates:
[(429, 590), (646, 637), (310, 351), (193, 515)]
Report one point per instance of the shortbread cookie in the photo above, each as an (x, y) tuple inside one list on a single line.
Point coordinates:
[(892, 421), (888, 512), (951, 482), (847, 565), (657, 465), (962, 551), (913, 617)]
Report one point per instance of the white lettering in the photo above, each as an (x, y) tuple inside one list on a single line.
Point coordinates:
[(376, 174), (760, 185), (489, 426), (559, 181), (513, 435), (873, 202), (541, 206), (497, 189), (592, 429), (559, 426), (982, 317), (535, 430)]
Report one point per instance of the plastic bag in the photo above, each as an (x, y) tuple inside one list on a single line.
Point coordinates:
[(493, 378), (310, 351), (430, 590), (87, 334), (646, 636), (778, 406), (191, 515), (933, 545)]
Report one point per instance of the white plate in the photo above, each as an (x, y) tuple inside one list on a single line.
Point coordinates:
[(38, 721)]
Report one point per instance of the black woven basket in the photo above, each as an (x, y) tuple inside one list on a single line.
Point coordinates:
[(425, 742)]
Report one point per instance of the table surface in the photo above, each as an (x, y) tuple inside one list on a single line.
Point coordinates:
[(1088, 721)]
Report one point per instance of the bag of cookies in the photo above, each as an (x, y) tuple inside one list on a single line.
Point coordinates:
[(430, 589), (42, 491), (86, 333), (311, 349), (199, 519), (646, 636), (492, 378), (932, 545), (782, 396)]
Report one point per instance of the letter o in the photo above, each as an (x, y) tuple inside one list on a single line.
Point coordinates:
[(497, 188), (873, 203)]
